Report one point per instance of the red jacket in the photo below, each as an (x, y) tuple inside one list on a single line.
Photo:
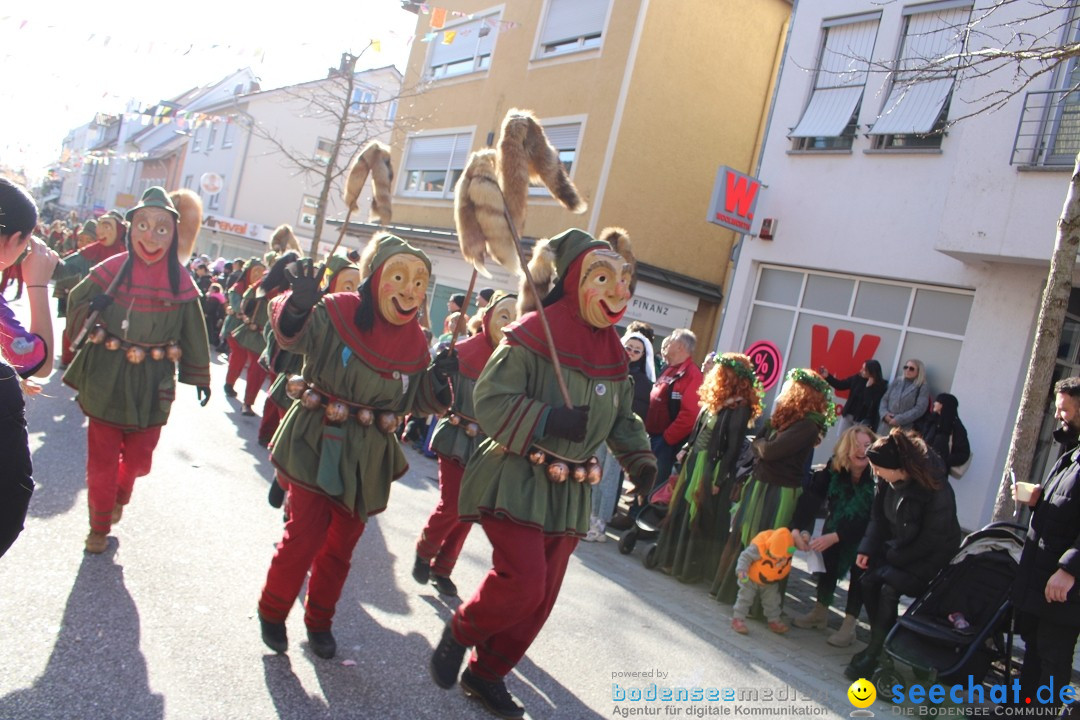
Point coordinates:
[(684, 388)]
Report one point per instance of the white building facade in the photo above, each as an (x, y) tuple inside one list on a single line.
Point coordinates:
[(892, 242)]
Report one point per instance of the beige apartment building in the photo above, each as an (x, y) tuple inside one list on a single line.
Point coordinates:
[(644, 99)]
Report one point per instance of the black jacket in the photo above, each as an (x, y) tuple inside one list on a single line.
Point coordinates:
[(1053, 541), (863, 400), (953, 448), (912, 528), (642, 388)]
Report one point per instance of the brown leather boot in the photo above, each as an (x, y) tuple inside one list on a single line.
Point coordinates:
[(117, 513), (96, 542)]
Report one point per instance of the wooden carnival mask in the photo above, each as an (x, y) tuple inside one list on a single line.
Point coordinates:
[(605, 287), (346, 280), (403, 282), (504, 313), (152, 231)]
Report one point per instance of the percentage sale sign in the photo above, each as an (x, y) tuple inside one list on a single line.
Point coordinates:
[(766, 358)]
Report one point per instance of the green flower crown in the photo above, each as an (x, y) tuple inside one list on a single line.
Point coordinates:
[(801, 375), (744, 373)]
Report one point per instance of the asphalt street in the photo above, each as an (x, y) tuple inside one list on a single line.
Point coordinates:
[(163, 624)]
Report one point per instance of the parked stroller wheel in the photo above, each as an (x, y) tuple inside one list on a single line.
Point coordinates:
[(628, 541), (651, 557), (884, 680)]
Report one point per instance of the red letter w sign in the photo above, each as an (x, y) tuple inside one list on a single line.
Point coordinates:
[(735, 196)]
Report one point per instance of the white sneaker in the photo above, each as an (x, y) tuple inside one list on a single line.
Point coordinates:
[(596, 531)]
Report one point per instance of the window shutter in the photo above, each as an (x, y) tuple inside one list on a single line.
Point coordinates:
[(563, 137), (568, 19), (473, 39)]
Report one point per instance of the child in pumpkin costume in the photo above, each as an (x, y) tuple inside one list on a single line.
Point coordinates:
[(455, 439), (365, 363), (150, 325), (761, 566), (528, 485)]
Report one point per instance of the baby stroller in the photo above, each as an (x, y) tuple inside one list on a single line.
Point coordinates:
[(963, 621), (647, 522)]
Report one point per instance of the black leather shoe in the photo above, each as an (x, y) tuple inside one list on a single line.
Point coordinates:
[(322, 643), (862, 665), (421, 570), (444, 585), (274, 635), (620, 522), (446, 660), (229, 391), (276, 496), (493, 694)]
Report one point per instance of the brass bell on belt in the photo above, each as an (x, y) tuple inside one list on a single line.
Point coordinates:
[(337, 412), (295, 386), (592, 471), (135, 354), (365, 417), (173, 352), (157, 352), (112, 343), (388, 422), (453, 419), (557, 472), (97, 335), (311, 400), (472, 429), (537, 457), (253, 327), (579, 473)]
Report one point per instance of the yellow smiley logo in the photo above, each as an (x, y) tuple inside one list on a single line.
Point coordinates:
[(862, 693)]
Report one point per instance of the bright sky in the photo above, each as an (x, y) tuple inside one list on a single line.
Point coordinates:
[(63, 61)]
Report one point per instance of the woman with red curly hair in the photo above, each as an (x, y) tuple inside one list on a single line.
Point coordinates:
[(698, 518), (804, 412)]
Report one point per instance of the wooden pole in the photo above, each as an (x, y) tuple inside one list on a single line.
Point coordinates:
[(459, 326)]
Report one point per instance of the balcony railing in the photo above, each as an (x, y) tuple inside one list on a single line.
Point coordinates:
[(1049, 131)]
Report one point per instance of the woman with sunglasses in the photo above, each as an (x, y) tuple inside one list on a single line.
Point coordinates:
[(913, 533), (907, 398)]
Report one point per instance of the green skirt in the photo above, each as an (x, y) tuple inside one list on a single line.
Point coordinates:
[(764, 507)]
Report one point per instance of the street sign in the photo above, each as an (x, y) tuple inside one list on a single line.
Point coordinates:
[(734, 199)]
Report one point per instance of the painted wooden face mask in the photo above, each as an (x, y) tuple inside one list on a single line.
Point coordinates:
[(152, 231), (347, 280), (106, 232), (504, 313), (402, 284), (605, 288)]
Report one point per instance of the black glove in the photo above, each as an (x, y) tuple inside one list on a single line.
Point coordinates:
[(101, 302), (568, 423), (643, 483), (202, 392), (304, 281), (275, 279), (444, 365)]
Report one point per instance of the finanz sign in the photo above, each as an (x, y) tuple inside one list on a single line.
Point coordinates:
[(734, 199)]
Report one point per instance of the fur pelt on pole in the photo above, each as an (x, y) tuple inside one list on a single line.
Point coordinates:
[(190, 207), (524, 154), (373, 159), (480, 216), (283, 240)]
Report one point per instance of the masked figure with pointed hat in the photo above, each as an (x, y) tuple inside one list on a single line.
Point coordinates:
[(336, 451), (529, 483), (456, 437), (245, 333), (150, 326)]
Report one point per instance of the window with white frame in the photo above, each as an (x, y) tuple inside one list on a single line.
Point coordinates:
[(433, 164), (227, 135), (915, 112), (831, 116), (564, 137), (363, 103), (463, 48), (323, 150), (309, 207), (572, 25), (391, 112), (214, 201), (211, 136), (195, 139), (1048, 134), (188, 180)]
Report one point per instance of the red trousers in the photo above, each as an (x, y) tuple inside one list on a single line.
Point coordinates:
[(114, 458), (271, 418), (444, 534), (319, 535), (239, 356), (513, 602)]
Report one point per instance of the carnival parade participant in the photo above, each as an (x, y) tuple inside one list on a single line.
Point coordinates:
[(235, 287), (246, 320), (336, 452), (699, 517), (528, 484), (24, 353), (149, 324), (455, 439)]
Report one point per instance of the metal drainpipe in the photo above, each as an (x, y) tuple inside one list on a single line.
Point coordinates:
[(737, 250)]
